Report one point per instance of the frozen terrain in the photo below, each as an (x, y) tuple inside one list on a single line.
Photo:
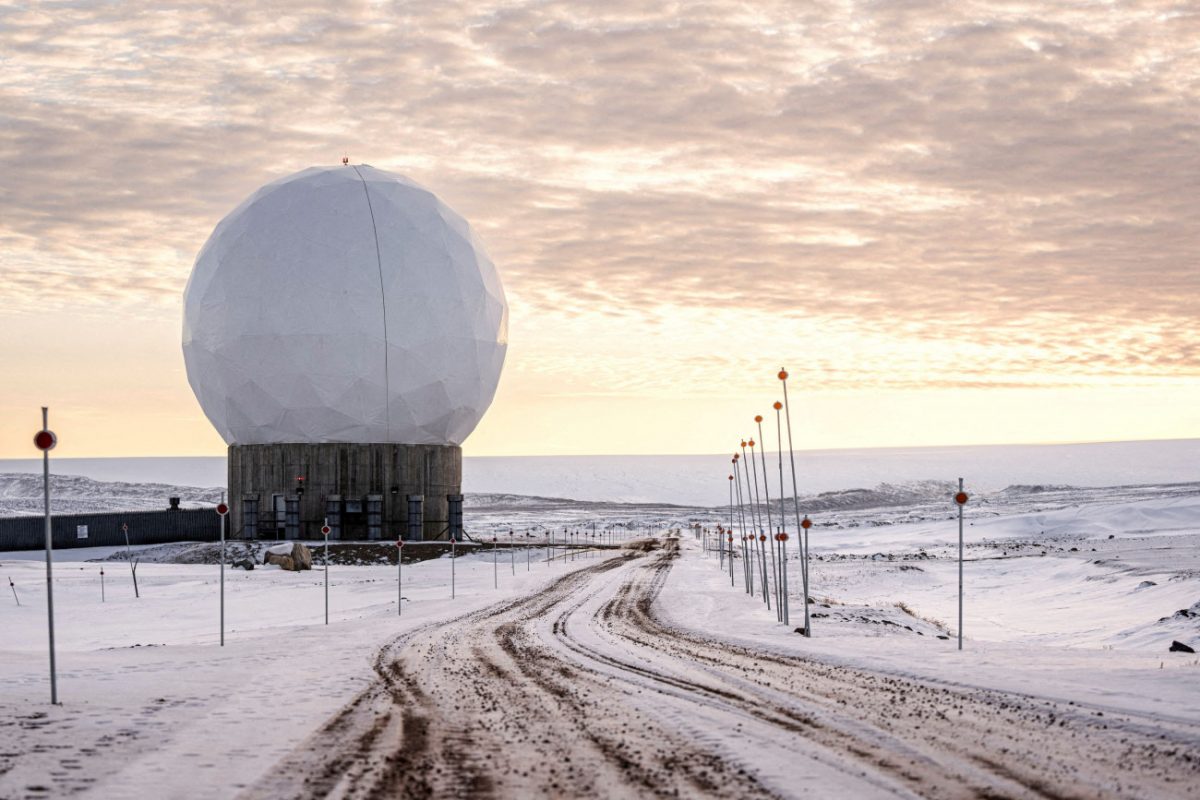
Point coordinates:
[(630, 672), (699, 480), (21, 493)]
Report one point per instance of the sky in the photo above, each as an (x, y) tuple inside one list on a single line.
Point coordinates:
[(953, 223)]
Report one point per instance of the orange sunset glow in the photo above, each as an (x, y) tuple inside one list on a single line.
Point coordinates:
[(952, 225)]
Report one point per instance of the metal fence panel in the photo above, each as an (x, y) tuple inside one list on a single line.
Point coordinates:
[(104, 529)]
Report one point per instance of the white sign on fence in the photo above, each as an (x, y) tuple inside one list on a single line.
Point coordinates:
[(81, 531)]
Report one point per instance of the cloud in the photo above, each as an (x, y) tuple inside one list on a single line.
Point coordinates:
[(1014, 182)]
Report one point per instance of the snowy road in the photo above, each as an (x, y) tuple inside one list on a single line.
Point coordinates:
[(583, 690)]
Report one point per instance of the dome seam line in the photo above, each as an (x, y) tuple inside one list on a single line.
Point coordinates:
[(387, 386)]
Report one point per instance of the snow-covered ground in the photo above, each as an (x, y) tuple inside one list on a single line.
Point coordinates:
[(152, 706), (1073, 595)]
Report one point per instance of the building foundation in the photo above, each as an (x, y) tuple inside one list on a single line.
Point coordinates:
[(364, 491)]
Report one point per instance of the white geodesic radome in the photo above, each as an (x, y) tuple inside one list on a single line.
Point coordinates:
[(344, 304)]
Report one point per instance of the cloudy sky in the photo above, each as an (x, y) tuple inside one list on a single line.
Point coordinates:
[(953, 222)]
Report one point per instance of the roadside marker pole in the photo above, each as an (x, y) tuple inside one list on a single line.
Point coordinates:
[(400, 577), (801, 540), (730, 539), (746, 572), (512, 554), (102, 584), (129, 557), (730, 530), (805, 524), (960, 498), (13, 586), (762, 537), (762, 454), (737, 481), (786, 601), (222, 510), (453, 544), (325, 532), (549, 549), (753, 518), (495, 566), (45, 440)]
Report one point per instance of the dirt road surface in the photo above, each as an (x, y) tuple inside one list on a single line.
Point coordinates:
[(582, 691)]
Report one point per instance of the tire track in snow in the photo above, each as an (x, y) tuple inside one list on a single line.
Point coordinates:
[(478, 708), (581, 690), (937, 741)]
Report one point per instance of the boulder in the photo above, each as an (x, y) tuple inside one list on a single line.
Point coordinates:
[(1180, 647), (245, 564), (293, 557), (302, 556)]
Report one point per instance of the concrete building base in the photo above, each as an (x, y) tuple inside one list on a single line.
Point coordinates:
[(364, 490)]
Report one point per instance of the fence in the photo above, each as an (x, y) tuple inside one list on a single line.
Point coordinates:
[(104, 530)]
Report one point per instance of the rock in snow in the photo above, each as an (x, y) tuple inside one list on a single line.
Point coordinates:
[(294, 557), (1180, 647)]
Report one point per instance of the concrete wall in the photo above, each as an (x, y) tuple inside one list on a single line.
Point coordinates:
[(351, 471)]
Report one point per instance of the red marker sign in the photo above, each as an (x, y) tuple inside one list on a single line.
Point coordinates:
[(45, 440), (222, 509), (326, 530), (806, 523), (961, 498), (781, 537), (762, 537), (399, 543)]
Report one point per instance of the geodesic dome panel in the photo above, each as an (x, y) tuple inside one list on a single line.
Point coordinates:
[(344, 304)]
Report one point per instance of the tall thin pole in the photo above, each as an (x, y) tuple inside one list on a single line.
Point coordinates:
[(960, 562), (785, 601), (753, 518), (762, 454), (802, 535), (729, 538), (222, 572), (400, 577), (49, 558), (762, 544), (495, 565), (325, 550), (748, 573)]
